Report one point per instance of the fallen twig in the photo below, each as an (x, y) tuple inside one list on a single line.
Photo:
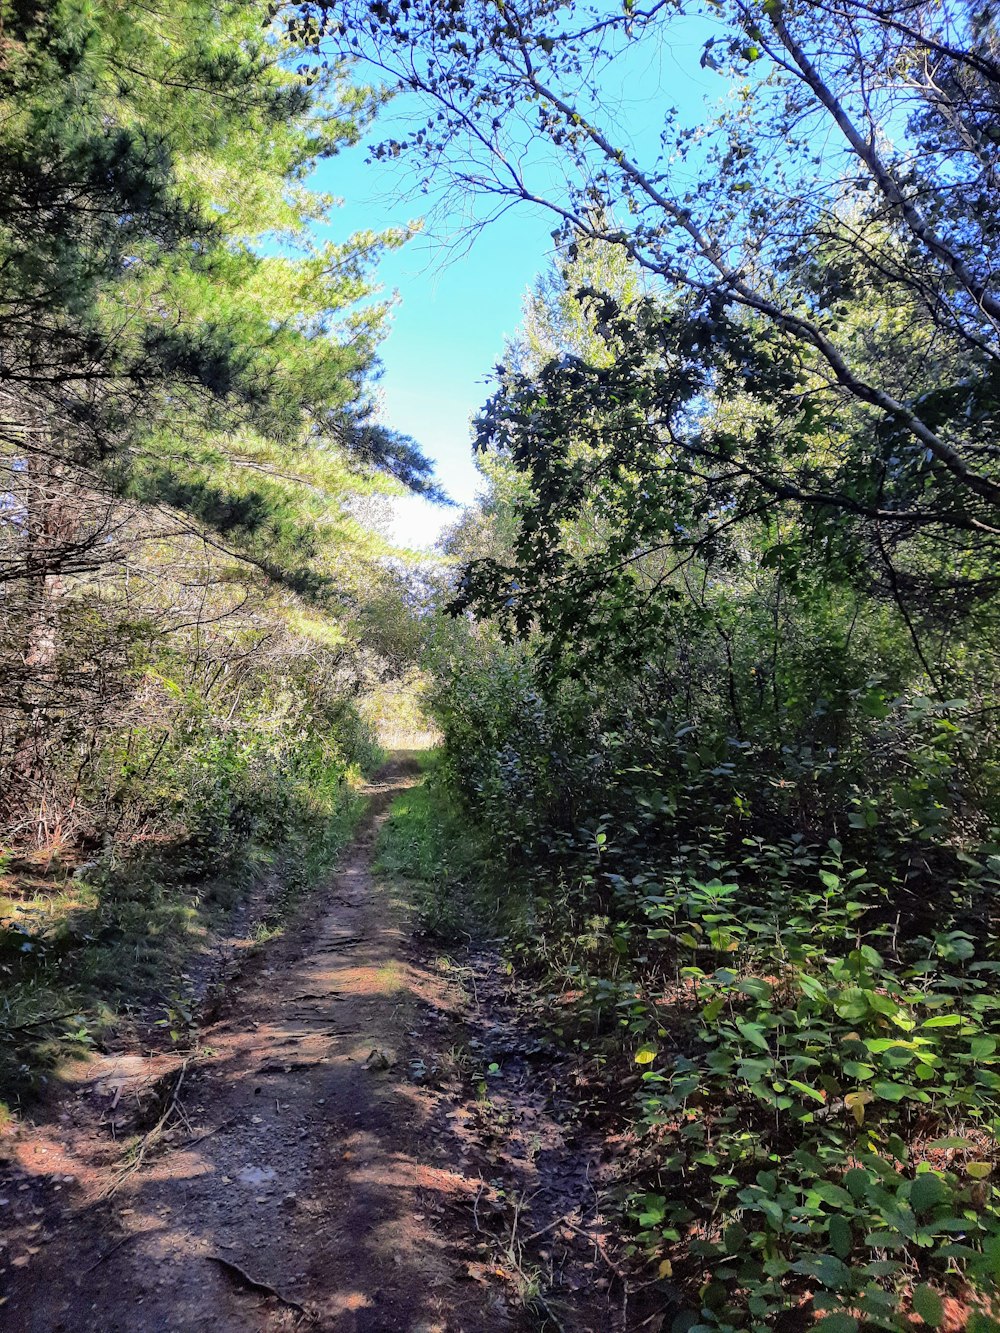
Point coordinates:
[(597, 1244), (657, 1314), (289, 1067), (150, 1138), (108, 1253), (7, 1032), (255, 1284), (547, 1310), (190, 1143), (558, 1221)]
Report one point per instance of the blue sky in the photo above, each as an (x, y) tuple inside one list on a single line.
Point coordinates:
[(448, 325), (457, 305)]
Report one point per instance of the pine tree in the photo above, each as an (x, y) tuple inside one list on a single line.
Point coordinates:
[(184, 369)]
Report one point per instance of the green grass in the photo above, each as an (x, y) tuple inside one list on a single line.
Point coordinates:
[(427, 842)]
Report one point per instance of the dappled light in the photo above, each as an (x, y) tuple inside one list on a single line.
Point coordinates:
[(298, 1152), (500, 666)]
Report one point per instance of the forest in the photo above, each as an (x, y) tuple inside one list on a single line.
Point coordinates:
[(709, 818)]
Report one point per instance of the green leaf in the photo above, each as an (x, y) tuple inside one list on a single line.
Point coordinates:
[(855, 1069), (734, 1237), (754, 1070), (880, 1045), (858, 1182), (772, 1211), (805, 1089), (890, 1092), (753, 1033), (831, 1193), (756, 987), (826, 1268), (841, 1235), (928, 1305), (646, 1054), (836, 1323), (885, 1240), (926, 1191)]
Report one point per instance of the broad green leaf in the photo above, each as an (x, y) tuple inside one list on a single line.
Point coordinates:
[(805, 1089), (756, 987), (831, 1193), (926, 1191), (858, 1182), (836, 1323), (826, 1268), (880, 1045), (978, 1170), (841, 1235), (928, 1305), (890, 1092), (734, 1237), (753, 1033), (855, 1069)]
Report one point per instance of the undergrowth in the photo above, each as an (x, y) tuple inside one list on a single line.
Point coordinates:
[(125, 941), (802, 1029), (428, 842)]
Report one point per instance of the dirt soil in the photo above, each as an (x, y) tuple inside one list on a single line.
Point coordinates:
[(333, 1153)]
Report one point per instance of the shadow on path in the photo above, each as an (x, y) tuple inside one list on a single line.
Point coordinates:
[(300, 1184)]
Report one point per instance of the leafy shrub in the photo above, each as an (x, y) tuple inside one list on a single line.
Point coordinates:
[(786, 926)]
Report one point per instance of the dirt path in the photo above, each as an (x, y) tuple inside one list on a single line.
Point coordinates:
[(299, 1156)]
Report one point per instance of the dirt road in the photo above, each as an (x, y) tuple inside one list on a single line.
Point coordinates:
[(298, 1177)]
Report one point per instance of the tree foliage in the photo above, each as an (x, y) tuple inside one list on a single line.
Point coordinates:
[(191, 601), (747, 217)]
